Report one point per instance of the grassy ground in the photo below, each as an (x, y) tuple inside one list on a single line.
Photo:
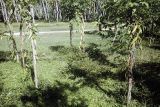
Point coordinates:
[(53, 26), (68, 77)]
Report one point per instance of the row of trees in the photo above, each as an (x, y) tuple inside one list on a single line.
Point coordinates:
[(133, 21), (92, 10), (22, 11), (130, 20), (62, 10)]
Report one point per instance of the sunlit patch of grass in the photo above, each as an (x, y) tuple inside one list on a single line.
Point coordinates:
[(14, 82)]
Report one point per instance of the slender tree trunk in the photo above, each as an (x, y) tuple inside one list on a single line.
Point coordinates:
[(4, 11), (98, 8), (22, 44), (85, 16), (129, 90), (57, 11), (33, 41), (82, 33), (34, 53), (152, 27), (100, 26), (60, 11), (130, 75), (39, 10), (45, 9), (71, 33), (115, 30), (89, 14), (15, 10)]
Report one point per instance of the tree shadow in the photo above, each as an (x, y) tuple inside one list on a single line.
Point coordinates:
[(52, 96), (91, 32), (147, 77), (31, 70), (4, 56), (93, 80), (64, 50), (96, 54), (120, 48), (1, 83), (56, 48), (157, 47)]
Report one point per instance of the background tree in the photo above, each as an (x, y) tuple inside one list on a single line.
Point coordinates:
[(7, 11), (136, 17)]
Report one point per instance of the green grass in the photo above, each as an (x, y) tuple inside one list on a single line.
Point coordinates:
[(86, 82), (52, 26)]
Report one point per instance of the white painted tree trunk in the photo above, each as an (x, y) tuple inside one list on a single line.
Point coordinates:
[(82, 34), (130, 75), (58, 10), (34, 53), (4, 11), (22, 44), (16, 13), (115, 30), (33, 42), (45, 9)]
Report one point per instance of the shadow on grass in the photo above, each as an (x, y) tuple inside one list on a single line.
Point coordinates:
[(64, 50), (93, 80), (56, 48), (147, 77), (55, 96), (91, 32), (96, 54), (155, 47), (1, 83), (4, 56), (31, 70)]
